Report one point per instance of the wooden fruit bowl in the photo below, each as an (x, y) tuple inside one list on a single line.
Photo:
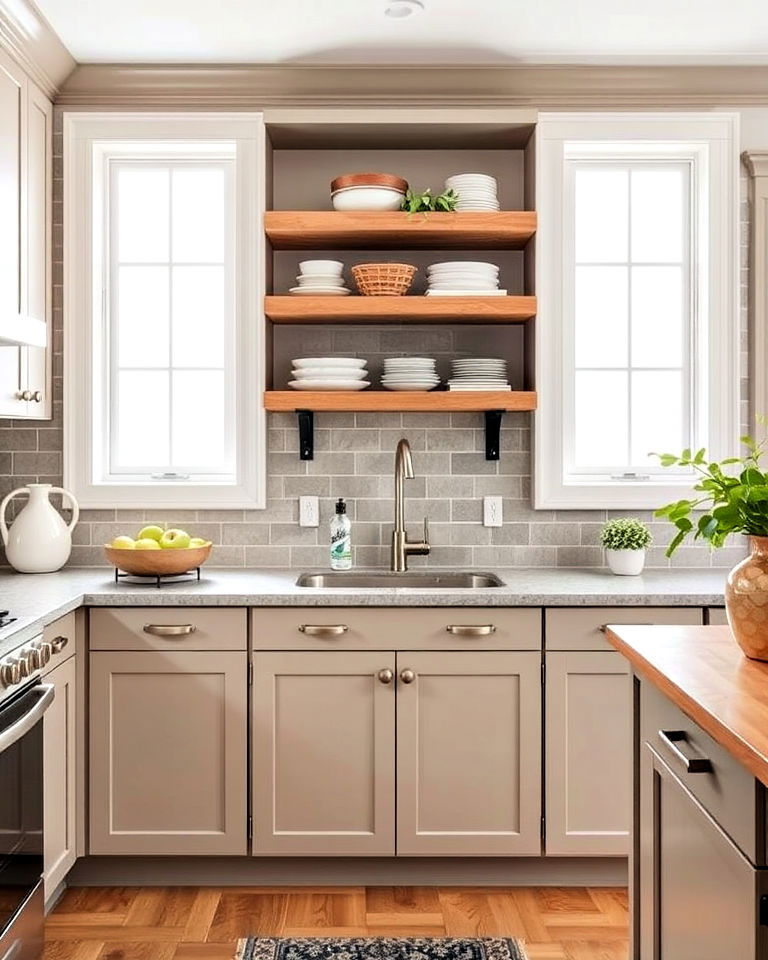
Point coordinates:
[(157, 563)]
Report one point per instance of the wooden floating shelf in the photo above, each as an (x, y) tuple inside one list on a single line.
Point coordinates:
[(332, 229), (399, 400), (415, 309)]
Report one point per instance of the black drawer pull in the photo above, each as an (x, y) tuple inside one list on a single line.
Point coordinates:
[(671, 739)]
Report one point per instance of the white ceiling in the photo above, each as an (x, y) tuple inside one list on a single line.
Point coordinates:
[(447, 31)]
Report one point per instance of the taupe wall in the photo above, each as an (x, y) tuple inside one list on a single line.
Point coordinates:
[(354, 459)]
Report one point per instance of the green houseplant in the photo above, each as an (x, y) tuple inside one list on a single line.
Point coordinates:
[(425, 202), (732, 497), (625, 541)]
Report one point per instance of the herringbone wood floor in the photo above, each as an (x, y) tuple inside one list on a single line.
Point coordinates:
[(194, 923)]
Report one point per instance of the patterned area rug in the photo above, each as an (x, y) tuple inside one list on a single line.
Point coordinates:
[(380, 948)]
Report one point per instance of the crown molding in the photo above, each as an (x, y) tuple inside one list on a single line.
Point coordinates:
[(28, 37), (756, 162), (514, 85)]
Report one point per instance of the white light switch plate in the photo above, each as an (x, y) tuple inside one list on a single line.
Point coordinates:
[(492, 512), (309, 512)]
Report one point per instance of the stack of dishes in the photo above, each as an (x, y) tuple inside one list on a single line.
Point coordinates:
[(320, 278), (410, 373), (464, 278), (329, 373), (476, 191), (476, 373)]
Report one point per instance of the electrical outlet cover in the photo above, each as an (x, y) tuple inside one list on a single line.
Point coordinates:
[(492, 512), (309, 512)]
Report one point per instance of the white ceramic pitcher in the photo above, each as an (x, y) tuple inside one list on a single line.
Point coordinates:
[(38, 541)]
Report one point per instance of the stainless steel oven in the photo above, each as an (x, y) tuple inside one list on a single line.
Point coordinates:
[(21, 819)]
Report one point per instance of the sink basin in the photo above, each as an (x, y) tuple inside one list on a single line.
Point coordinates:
[(416, 581)]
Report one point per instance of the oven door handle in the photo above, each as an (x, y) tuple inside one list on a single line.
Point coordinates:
[(22, 726)]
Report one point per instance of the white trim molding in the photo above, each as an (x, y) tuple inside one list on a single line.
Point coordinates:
[(90, 138), (756, 163), (709, 143), (28, 37)]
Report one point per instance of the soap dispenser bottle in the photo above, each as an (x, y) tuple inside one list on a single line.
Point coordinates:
[(341, 538)]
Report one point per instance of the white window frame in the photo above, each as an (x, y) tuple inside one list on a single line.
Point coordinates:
[(90, 141), (709, 142)]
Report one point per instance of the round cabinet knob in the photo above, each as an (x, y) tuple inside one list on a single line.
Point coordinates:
[(58, 643), (386, 676), (24, 395), (37, 396), (407, 676)]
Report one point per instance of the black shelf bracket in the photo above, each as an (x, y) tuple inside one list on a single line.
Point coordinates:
[(306, 420), (493, 433)]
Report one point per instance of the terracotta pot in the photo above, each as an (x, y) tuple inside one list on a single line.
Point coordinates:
[(746, 600)]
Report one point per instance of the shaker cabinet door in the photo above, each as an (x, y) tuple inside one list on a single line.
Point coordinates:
[(60, 777), (469, 754), (588, 750), (323, 754), (168, 754)]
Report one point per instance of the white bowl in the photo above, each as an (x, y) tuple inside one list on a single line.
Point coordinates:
[(318, 281), (462, 266), (329, 384), (367, 198), (320, 291), (329, 373), (321, 267), (303, 362)]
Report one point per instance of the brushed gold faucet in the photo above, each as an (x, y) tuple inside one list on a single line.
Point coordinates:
[(402, 547)]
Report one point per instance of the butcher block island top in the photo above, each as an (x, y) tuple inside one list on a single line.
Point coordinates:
[(703, 671)]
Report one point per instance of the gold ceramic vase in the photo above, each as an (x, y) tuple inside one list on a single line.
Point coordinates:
[(746, 600)]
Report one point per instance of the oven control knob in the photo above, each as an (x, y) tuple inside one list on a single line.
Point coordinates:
[(24, 662), (10, 672), (41, 654)]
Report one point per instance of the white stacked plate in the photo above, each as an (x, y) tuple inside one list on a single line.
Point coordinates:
[(463, 278), (320, 278), (410, 373), (476, 191), (329, 373), (479, 373)]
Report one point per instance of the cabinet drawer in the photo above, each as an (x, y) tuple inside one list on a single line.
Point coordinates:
[(168, 628), (355, 628), (727, 791), (717, 615), (579, 628), (62, 636)]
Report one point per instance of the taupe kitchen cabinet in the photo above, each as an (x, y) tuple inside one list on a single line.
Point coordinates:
[(588, 736), (168, 755), (59, 776), (324, 753), (25, 245), (469, 754)]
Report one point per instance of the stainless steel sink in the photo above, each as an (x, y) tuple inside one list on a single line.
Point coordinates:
[(416, 581)]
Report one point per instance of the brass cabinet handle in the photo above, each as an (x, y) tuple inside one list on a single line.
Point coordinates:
[(671, 739), (58, 644), (407, 676), (471, 629), (386, 675), (323, 629), (170, 629)]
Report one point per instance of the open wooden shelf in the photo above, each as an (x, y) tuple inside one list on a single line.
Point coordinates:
[(415, 309), (398, 400), (331, 229)]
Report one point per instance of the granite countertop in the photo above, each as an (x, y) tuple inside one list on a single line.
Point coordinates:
[(703, 671), (38, 599)]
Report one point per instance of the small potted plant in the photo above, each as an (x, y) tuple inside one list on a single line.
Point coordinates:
[(625, 542)]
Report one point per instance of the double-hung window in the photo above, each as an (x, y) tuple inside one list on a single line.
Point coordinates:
[(637, 278), (163, 328)]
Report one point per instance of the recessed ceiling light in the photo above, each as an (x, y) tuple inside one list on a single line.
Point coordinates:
[(399, 9)]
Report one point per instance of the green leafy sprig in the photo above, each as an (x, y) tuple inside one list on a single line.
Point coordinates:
[(732, 502), (424, 202), (625, 533)]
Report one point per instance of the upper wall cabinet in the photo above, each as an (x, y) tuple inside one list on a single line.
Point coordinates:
[(26, 126)]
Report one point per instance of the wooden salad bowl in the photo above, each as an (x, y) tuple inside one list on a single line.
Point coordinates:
[(157, 563)]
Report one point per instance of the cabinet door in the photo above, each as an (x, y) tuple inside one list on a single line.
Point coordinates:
[(59, 777), (588, 750), (323, 754), (698, 893), (168, 753), (12, 162), (469, 754)]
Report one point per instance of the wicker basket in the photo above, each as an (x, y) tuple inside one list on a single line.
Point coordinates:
[(383, 279)]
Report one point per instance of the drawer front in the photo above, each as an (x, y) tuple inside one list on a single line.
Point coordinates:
[(356, 628), (580, 628), (717, 615), (62, 636), (728, 792), (168, 628)]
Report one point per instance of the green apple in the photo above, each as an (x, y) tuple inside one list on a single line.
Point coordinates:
[(175, 540), (198, 542), (123, 543), (146, 543), (150, 533)]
